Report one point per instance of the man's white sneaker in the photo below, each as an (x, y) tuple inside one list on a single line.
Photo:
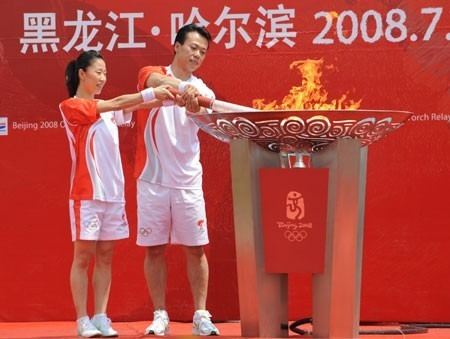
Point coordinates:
[(103, 324), (160, 323), (86, 329), (202, 325)]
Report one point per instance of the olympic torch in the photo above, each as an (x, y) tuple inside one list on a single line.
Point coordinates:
[(218, 105)]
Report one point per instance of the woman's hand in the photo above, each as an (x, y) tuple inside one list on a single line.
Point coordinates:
[(162, 93)]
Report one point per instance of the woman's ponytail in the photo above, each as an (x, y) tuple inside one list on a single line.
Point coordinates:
[(72, 79)]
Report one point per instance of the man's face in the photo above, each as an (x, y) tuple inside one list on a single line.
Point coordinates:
[(191, 54)]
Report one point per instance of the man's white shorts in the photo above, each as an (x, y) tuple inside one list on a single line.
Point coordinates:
[(98, 220), (169, 215)]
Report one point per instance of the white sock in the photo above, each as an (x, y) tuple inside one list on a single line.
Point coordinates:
[(80, 320), (99, 315)]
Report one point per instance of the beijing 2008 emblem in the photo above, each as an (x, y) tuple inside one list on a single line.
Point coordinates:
[(293, 228)]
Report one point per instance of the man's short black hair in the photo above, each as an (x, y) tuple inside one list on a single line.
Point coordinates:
[(183, 31)]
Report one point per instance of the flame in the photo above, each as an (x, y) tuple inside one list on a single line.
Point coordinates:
[(334, 14), (310, 94)]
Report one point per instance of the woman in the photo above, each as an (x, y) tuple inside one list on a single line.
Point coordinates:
[(97, 205)]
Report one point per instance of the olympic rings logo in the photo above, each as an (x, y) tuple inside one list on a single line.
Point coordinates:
[(298, 236), (145, 232), (93, 225)]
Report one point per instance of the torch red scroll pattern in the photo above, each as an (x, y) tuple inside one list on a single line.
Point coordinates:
[(307, 131)]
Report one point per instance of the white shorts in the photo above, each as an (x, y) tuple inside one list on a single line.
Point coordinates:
[(98, 220), (169, 215)]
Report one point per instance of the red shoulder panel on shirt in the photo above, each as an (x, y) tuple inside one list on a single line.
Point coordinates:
[(80, 111), (145, 72)]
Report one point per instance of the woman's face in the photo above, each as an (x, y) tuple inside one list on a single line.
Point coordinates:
[(94, 78)]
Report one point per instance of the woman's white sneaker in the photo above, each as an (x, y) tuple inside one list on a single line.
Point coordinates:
[(103, 324), (86, 329)]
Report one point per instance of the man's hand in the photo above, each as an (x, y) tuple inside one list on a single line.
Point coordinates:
[(179, 101), (189, 96)]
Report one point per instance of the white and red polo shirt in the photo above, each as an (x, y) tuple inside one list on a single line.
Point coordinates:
[(94, 148), (168, 149)]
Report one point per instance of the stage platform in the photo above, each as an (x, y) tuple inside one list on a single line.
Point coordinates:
[(66, 330)]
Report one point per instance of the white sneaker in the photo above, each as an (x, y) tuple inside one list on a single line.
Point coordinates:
[(103, 324), (202, 325), (86, 329), (160, 323)]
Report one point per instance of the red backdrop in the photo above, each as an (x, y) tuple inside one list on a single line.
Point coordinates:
[(390, 54)]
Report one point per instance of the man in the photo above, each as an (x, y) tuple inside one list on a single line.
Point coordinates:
[(171, 206)]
